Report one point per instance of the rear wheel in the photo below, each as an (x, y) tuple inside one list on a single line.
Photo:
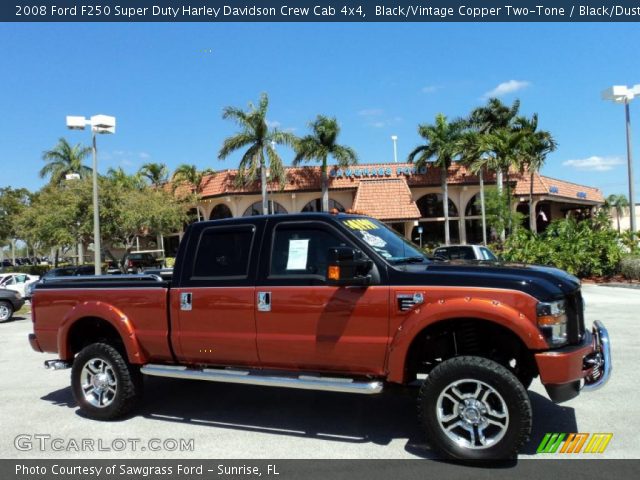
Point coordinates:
[(6, 311), (104, 384), (473, 408)]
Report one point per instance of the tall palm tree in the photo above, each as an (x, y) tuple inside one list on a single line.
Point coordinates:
[(619, 203), (156, 173), (537, 145), (319, 146), (191, 177), (63, 159), (260, 141), (442, 146)]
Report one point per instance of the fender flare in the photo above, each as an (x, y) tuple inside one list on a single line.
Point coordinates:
[(458, 308), (108, 313)]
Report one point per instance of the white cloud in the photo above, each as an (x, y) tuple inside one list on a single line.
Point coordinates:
[(378, 124), (371, 112), (595, 163), (272, 124), (507, 87), (144, 155), (430, 89)]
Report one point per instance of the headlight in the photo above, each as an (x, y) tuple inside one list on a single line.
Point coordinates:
[(552, 321)]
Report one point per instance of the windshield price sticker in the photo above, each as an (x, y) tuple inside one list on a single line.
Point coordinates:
[(360, 224)]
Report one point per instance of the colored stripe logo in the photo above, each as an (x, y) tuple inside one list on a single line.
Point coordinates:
[(574, 443)]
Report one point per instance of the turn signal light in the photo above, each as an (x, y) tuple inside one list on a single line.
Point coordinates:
[(333, 272)]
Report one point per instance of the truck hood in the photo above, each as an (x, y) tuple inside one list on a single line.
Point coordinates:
[(543, 283)]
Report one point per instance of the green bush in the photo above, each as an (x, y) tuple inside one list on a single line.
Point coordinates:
[(29, 269), (582, 248), (630, 268)]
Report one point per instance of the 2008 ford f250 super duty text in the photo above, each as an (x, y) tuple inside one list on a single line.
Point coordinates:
[(330, 302)]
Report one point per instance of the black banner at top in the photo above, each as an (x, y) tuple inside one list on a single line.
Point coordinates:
[(319, 11)]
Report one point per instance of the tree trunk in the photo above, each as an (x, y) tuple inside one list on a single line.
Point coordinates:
[(55, 259), (532, 210), (482, 208), (508, 193), (445, 205), (500, 189), (325, 189), (263, 182), (618, 220)]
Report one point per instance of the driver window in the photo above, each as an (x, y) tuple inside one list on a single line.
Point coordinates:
[(302, 251)]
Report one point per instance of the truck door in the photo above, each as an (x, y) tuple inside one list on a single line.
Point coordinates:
[(213, 311), (304, 323)]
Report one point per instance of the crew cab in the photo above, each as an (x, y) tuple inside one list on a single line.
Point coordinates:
[(332, 302)]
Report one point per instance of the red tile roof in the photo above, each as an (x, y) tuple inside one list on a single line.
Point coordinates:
[(308, 179), (388, 199), (556, 188)]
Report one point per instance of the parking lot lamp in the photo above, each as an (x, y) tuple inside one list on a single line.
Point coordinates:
[(99, 124), (624, 94)]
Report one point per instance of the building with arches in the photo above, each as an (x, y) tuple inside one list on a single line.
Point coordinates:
[(406, 198)]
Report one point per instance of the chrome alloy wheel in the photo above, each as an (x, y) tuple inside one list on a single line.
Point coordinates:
[(5, 312), (99, 383), (472, 414)]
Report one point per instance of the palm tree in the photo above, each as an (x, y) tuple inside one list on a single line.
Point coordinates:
[(537, 145), (619, 203), (156, 173), (191, 177), (260, 141), (119, 177), (319, 146), (442, 146), (63, 160)]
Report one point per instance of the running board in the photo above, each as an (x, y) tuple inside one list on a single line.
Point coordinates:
[(304, 382)]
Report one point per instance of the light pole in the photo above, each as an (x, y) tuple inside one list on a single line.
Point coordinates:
[(99, 124), (395, 148), (624, 94)]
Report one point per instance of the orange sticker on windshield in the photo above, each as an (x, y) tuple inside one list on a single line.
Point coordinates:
[(360, 224)]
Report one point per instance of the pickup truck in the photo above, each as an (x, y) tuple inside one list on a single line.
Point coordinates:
[(335, 302)]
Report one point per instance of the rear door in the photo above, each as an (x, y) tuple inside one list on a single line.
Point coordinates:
[(303, 323), (213, 308)]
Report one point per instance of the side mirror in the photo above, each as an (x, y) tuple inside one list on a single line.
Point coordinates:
[(348, 266)]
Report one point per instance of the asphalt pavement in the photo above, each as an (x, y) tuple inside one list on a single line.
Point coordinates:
[(190, 419)]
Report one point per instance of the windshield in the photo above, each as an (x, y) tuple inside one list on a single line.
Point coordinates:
[(387, 243)]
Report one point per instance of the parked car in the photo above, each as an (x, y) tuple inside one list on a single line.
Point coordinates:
[(137, 262), (10, 302), (17, 281), (464, 252), (331, 302)]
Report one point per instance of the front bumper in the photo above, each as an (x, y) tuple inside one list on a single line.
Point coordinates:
[(585, 367)]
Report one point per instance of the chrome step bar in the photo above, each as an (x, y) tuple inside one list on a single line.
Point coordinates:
[(304, 382)]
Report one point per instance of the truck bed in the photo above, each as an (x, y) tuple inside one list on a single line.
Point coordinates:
[(136, 304)]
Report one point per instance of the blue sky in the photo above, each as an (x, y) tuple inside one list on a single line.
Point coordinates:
[(167, 85)]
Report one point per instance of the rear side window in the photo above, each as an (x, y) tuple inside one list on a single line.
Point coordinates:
[(223, 253)]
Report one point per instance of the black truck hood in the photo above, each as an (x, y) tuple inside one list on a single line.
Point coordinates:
[(543, 283)]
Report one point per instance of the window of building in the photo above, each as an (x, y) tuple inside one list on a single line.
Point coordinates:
[(303, 251), (223, 252), (220, 211), (256, 209), (316, 206), (473, 208), (430, 206)]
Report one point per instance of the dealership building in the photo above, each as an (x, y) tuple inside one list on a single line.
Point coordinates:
[(402, 196)]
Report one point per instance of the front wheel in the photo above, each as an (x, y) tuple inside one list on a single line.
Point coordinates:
[(104, 384), (473, 408), (6, 311)]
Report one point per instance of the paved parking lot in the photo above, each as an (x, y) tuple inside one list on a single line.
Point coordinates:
[(233, 421)]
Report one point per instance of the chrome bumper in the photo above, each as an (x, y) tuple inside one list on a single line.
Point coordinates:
[(599, 362)]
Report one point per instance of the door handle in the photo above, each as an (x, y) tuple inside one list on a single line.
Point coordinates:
[(185, 301), (264, 301)]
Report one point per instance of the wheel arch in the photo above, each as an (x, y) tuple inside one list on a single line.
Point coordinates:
[(91, 322)]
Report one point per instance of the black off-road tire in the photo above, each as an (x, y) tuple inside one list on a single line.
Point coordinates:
[(7, 310), (501, 380), (128, 388)]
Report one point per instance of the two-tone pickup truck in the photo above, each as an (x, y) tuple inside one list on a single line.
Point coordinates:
[(330, 302)]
